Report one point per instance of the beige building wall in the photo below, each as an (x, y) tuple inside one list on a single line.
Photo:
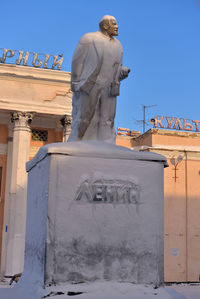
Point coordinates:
[(30, 99), (182, 199)]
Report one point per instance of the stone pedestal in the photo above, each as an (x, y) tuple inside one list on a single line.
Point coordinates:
[(95, 212)]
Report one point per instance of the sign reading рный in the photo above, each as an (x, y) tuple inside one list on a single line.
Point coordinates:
[(38, 60), (176, 123)]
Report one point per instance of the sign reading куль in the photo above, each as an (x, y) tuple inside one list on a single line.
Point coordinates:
[(175, 123), (34, 59)]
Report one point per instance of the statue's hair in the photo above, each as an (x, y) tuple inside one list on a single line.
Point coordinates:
[(104, 19)]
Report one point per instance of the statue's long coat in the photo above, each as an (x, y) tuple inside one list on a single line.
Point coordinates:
[(88, 58), (95, 77)]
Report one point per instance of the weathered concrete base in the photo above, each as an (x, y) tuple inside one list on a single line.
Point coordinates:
[(95, 211)]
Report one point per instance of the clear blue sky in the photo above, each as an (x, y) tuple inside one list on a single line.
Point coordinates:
[(161, 41)]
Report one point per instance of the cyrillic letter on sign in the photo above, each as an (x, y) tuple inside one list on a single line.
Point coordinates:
[(35, 60), (187, 127), (57, 62), (197, 124), (7, 54), (177, 125), (21, 58), (46, 61), (159, 121), (170, 122)]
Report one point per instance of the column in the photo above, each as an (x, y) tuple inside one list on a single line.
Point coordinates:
[(18, 193), (7, 200), (66, 122)]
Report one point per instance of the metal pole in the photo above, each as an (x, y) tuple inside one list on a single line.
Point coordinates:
[(144, 120), (144, 115)]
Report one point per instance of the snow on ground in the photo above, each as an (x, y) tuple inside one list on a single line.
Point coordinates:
[(116, 290), (109, 290), (190, 291)]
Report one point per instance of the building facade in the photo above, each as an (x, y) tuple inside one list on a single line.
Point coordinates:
[(181, 198), (35, 109)]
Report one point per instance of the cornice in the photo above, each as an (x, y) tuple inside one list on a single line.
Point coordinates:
[(192, 152), (12, 71), (45, 108), (165, 132)]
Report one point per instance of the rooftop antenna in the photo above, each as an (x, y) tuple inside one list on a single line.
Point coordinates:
[(144, 114)]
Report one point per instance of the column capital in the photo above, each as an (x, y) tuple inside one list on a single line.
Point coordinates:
[(66, 120), (21, 119), (66, 123)]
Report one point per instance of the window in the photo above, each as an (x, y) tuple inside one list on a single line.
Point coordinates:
[(39, 135)]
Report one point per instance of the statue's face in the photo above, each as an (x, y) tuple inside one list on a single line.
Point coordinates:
[(112, 27)]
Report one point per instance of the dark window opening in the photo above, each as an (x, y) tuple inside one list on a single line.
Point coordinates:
[(39, 135)]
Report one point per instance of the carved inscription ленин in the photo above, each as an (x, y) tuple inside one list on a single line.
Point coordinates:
[(108, 191)]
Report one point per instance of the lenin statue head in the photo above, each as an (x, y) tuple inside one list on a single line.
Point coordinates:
[(108, 26)]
